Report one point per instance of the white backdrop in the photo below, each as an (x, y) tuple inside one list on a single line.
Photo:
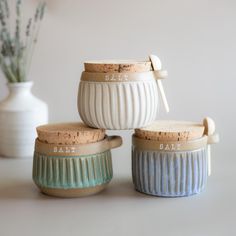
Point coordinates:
[(196, 41)]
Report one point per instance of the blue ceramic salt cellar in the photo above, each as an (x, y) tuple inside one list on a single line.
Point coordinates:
[(172, 158)]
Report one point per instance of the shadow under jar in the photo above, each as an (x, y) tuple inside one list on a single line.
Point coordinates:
[(171, 158), (73, 160), (119, 94)]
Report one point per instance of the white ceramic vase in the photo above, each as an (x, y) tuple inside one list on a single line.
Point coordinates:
[(20, 114)]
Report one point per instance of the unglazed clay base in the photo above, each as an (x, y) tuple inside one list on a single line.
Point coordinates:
[(72, 193)]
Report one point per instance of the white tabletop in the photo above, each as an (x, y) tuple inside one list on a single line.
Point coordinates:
[(119, 210)]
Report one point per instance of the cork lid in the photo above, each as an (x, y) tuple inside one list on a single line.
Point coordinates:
[(117, 66), (69, 133), (171, 131)]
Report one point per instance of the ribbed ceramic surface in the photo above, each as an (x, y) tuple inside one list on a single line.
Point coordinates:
[(72, 172), (169, 174), (20, 114), (112, 105), (17, 132)]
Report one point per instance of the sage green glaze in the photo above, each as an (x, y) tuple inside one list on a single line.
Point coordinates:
[(72, 172)]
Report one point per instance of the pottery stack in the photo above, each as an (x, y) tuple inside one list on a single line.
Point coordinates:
[(169, 158)]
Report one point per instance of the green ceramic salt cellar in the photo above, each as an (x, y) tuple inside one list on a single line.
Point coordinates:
[(72, 159)]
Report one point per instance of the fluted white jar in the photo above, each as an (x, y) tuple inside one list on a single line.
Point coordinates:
[(118, 100), (20, 114)]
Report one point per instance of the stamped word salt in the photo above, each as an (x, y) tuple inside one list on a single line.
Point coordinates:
[(64, 149), (116, 77), (170, 147)]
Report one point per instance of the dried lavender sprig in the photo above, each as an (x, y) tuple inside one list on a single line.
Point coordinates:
[(31, 38), (2, 19), (28, 27), (42, 10), (4, 13), (7, 42), (27, 41), (37, 13), (16, 53), (6, 7), (7, 70), (8, 46), (37, 23), (8, 50), (18, 39)]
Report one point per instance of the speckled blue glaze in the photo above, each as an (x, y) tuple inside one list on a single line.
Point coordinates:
[(169, 174)]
